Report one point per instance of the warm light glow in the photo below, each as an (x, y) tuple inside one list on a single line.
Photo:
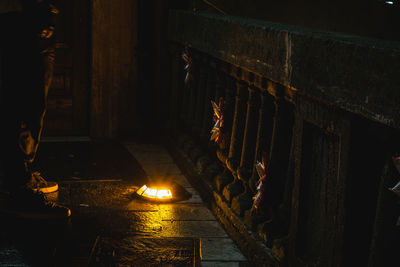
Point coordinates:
[(164, 193), (150, 192), (141, 190), (154, 193)]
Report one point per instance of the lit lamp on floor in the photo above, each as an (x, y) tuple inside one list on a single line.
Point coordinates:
[(166, 192), (154, 193)]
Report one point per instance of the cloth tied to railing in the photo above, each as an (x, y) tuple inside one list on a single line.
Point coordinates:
[(218, 118), (262, 170), (396, 189), (188, 65)]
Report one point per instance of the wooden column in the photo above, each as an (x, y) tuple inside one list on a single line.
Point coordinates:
[(114, 70)]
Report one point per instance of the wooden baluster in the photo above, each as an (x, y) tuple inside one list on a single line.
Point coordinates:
[(280, 149), (186, 98), (229, 85), (264, 133), (207, 109), (239, 119), (244, 201), (264, 136), (220, 84), (276, 224), (204, 164), (200, 96)]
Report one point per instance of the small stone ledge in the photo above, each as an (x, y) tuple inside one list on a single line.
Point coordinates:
[(255, 250), (357, 74)]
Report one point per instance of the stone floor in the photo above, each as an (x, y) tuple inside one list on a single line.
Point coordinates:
[(109, 226), (188, 218)]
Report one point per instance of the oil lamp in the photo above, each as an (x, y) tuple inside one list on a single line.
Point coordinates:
[(156, 193), (166, 192)]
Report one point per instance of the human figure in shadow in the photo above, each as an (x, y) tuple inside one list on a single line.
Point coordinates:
[(27, 54)]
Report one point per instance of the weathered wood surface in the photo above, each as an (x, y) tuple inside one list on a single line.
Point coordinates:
[(114, 68), (357, 74)]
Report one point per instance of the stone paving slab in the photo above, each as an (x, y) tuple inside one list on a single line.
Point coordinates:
[(220, 249), (177, 178), (141, 206), (161, 169), (195, 199), (146, 153), (147, 252), (185, 212), (188, 218), (143, 224), (192, 229)]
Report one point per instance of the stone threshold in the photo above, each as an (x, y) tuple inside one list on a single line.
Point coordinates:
[(257, 253)]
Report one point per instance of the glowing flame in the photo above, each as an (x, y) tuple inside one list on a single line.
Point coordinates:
[(154, 193)]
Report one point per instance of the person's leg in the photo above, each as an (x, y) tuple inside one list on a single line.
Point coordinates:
[(28, 61), (35, 110), (16, 172)]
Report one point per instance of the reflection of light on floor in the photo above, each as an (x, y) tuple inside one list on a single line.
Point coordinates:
[(167, 212), (389, 2)]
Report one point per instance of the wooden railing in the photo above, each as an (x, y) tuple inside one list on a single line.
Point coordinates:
[(325, 199)]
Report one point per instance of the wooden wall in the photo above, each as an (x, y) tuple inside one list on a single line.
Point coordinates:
[(114, 68)]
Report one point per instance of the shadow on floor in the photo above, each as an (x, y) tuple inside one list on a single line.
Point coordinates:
[(108, 226)]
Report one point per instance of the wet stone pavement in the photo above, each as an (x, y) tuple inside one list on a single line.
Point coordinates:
[(109, 225)]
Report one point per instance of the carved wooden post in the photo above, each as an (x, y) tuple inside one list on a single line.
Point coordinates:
[(229, 85), (200, 95), (320, 171), (280, 149), (243, 201), (276, 177), (220, 84), (186, 98), (236, 187), (207, 109), (264, 136), (264, 133), (193, 90), (384, 242), (204, 163)]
